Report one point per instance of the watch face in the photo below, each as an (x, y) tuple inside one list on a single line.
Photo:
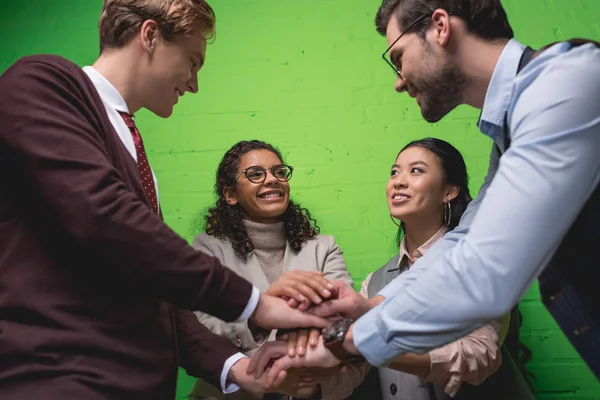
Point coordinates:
[(329, 332), (334, 329)]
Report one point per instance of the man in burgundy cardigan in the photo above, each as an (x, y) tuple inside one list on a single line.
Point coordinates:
[(94, 287)]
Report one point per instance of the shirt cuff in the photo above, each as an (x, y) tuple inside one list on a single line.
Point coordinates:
[(232, 387), (445, 369), (369, 340), (251, 306)]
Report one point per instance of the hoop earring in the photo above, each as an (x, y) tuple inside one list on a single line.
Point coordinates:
[(394, 221), (447, 213)]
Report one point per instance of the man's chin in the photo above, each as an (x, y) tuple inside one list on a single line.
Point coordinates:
[(163, 112), (430, 115), (432, 118)]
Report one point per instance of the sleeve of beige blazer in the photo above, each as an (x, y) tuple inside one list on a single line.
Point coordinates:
[(321, 253), (334, 266)]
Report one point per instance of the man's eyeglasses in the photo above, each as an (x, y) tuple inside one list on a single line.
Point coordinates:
[(396, 69), (256, 174)]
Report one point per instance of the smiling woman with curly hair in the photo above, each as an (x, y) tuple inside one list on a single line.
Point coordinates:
[(226, 219), (258, 232)]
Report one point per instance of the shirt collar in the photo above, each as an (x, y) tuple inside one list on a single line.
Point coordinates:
[(421, 250), (108, 93), (499, 92)]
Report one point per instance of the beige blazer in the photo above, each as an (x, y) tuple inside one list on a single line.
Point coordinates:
[(319, 254)]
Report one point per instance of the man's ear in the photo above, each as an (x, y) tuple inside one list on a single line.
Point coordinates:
[(441, 23), (230, 196), (149, 35), (452, 192)]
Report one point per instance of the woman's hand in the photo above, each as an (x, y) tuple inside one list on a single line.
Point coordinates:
[(305, 287), (298, 341)]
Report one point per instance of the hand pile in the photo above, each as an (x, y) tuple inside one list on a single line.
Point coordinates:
[(298, 361)]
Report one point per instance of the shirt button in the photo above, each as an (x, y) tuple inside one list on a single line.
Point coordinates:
[(393, 389)]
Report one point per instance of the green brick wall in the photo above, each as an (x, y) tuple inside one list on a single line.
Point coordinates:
[(307, 76)]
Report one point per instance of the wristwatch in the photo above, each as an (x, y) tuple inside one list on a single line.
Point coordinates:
[(334, 335)]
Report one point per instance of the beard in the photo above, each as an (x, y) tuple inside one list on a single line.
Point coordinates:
[(440, 92)]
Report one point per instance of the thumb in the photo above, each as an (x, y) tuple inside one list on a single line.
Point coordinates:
[(307, 320), (292, 303), (329, 308)]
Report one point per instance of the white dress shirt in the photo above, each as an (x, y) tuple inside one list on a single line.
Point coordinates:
[(114, 103)]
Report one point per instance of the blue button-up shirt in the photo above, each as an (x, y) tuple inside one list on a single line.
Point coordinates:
[(528, 201)]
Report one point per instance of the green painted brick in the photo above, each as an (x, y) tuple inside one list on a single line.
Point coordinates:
[(308, 77), (548, 345), (562, 377)]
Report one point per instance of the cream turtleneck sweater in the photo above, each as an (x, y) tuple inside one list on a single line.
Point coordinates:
[(269, 246)]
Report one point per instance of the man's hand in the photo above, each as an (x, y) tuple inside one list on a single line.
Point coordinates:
[(346, 302), (315, 357), (272, 313), (247, 381), (295, 383), (298, 340)]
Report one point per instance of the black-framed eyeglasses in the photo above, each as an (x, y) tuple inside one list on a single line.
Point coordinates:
[(389, 62), (257, 174)]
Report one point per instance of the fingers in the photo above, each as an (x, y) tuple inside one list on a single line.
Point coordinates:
[(331, 307), (305, 305), (301, 290), (313, 339), (306, 320), (302, 341), (280, 378), (262, 358), (273, 376), (291, 343), (302, 385), (319, 284), (308, 380), (308, 284), (293, 303)]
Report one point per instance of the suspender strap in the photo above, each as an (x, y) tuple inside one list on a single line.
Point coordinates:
[(525, 58)]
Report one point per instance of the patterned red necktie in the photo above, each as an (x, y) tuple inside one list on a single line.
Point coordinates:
[(143, 164)]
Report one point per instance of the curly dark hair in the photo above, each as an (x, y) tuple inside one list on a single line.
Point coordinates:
[(224, 221)]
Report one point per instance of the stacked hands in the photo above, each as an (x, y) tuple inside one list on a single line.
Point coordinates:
[(298, 360)]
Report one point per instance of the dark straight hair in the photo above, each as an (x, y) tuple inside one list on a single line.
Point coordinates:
[(484, 18), (455, 173)]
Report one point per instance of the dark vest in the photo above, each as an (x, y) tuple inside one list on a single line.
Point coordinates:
[(567, 284), (384, 383), (396, 385)]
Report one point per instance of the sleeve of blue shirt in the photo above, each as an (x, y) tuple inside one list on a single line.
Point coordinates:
[(542, 182)]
